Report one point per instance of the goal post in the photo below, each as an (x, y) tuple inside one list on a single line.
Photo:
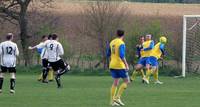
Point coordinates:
[(185, 32)]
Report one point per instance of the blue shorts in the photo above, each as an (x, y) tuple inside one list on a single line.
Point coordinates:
[(119, 73), (153, 61), (143, 61)]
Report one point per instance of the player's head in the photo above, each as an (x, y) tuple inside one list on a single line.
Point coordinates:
[(9, 36), (141, 39), (50, 37), (54, 36), (44, 38), (148, 37), (120, 33), (163, 39)]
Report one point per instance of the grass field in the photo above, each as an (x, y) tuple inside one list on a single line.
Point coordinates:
[(93, 91)]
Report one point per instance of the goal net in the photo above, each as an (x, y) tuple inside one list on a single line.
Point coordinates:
[(191, 44)]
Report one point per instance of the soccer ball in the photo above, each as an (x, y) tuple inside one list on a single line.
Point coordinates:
[(163, 40)]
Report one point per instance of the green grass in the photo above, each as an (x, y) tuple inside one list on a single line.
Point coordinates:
[(93, 91)]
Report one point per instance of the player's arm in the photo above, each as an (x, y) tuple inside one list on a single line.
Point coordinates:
[(61, 50), (108, 52), (16, 50), (151, 46), (41, 45), (138, 49), (122, 55), (1, 48), (162, 49)]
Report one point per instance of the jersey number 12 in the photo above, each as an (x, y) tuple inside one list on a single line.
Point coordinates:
[(9, 50)]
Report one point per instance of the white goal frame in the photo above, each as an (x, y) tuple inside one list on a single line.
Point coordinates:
[(184, 41)]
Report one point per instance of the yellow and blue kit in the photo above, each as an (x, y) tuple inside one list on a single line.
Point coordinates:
[(156, 54), (116, 52), (39, 50), (147, 47)]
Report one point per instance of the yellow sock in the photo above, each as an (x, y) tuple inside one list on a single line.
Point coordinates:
[(113, 92), (133, 76), (122, 87), (155, 75), (142, 73), (40, 77), (50, 75), (148, 74)]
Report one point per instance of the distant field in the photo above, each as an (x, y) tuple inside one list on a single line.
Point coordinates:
[(155, 9), (93, 91)]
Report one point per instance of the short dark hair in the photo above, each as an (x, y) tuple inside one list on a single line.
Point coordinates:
[(44, 36), (54, 36), (141, 37), (50, 36), (9, 36), (120, 33)]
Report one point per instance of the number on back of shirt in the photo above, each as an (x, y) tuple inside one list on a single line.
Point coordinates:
[(113, 49), (9, 50), (51, 46)]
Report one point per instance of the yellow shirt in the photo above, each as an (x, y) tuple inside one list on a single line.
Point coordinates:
[(156, 52), (146, 53), (116, 62)]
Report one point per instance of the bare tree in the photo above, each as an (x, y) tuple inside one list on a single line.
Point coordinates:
[(102, 19), (15, 11)]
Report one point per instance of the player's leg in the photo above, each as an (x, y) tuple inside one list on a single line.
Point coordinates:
[(155, 75), (148, 73), (2, 72), (137, 70), (55, 67), (142, 73), (12, 72), (40, 77), (50, 74), (150, 65), (123, 86), (113, 89), (1, 81), (63, 67), (45, 70)]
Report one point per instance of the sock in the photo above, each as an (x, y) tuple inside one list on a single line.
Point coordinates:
[(40, 77), (45, 73), (133, 76), (122, 87), (1, 83), (142, 73), (113, 93), (12, 84), (58, 81), (148, 73), (155, 75), (62, 71), (50, 74)]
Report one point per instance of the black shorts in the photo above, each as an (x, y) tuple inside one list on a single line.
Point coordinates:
[(60, 64), (9, 69), (45, 63)]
